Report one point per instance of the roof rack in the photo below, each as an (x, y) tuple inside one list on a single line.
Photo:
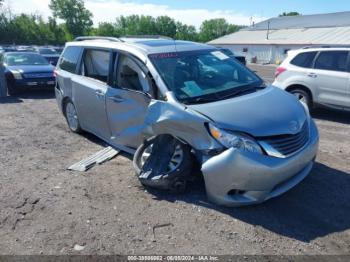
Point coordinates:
[(85, 38), (148, 36)]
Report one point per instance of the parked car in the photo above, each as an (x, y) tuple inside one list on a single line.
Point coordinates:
[(50, 54), (252, 142), (25, 49), (9, 48), (231, 54), (58, 49), (317, 76), (24, 70)]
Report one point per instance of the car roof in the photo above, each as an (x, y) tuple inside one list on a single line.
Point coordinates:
[(144, 45), (313, 49)]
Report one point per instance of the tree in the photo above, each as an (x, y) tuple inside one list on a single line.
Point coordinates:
[(24, 29), (214, 28), (289, 14), (135, 25), (58, 31), (105, 29), (165, 26), (186, 32), (76, 16)]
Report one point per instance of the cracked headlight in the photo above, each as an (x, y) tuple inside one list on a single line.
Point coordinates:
[(235, 140)]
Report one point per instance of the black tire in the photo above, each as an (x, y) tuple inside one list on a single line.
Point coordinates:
[(68, 107), (175, 181), (303, 96)]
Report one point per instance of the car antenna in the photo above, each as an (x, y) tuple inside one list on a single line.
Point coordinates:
[(175, 45)]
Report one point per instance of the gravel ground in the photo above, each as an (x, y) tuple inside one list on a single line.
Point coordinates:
[(45, 209)]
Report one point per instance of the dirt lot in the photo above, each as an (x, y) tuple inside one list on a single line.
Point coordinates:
[(45, 209)]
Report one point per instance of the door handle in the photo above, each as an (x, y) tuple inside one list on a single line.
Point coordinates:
[(99, 93), (116, 99), (313, 75)]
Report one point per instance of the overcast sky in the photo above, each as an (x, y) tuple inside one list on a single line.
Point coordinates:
[(191, 11)]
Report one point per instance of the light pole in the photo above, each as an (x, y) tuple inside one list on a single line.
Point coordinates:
[(268, 30)]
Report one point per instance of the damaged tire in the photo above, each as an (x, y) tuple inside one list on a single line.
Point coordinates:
[(164, 162)]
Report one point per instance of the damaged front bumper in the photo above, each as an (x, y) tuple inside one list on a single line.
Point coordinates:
[(236, 178)]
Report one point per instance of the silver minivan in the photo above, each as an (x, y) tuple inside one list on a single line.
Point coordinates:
[(252, 142)]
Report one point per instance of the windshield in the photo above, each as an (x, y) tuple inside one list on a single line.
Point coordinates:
[(47, 51), (203, 76), (25, 59)]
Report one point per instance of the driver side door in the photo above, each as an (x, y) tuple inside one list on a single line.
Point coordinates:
[(127, 101)]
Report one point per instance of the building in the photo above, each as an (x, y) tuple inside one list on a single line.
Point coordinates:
[(270, 40)]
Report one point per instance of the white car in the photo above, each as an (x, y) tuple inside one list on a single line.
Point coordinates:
[(317, 76)]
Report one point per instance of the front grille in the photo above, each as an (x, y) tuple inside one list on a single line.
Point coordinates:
[(288, 144), (38, 75)]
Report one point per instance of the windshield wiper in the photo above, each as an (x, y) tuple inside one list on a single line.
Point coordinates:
[(242, 92), (215, 97), (201, 100)]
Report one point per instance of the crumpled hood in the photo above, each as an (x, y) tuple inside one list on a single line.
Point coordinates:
[(267, 112)]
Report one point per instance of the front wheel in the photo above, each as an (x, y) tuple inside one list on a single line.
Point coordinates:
[(72, 117), (164, 162), (303, 97)]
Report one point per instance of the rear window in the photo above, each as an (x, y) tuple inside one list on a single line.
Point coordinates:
[(332, 60), (70, 58), (304, 59), (96, 64)]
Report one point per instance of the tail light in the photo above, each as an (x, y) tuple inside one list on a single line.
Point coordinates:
[(279, 71)]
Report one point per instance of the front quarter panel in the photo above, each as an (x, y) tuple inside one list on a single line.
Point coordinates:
[(181, 122)]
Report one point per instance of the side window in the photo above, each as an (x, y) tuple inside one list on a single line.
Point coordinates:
[(130, 76), (70, 59), (95, 64), (332, 60), (304, 59)]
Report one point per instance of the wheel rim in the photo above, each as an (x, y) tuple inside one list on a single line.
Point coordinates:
[(174, 162), (72, 117), (301, 97)]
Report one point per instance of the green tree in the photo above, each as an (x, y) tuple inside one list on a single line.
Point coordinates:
[(59, 32), (135, 25), (214, 28), (186, 32), (24, 29), (4, 24), (165, 26), (76, 16), (289, 14), (105, 29)]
